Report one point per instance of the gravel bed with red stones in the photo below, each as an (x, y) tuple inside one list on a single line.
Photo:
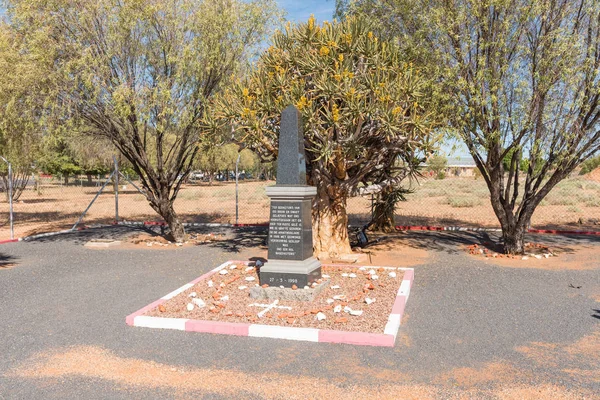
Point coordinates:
[(358, 299)]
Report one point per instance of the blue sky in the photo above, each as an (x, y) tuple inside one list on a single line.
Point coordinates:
[(300, 10)]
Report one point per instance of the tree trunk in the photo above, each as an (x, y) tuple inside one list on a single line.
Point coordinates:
[(89, 180), (330, 223), (514, 238), (66, 179), (165, 209), (383, 212)]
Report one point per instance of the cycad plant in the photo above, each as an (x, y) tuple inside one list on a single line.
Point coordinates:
[(365, 109)]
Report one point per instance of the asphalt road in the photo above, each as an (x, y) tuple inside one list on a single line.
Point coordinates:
[(465, 331)]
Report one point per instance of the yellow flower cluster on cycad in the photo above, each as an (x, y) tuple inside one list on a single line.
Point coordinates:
[(336, 79)]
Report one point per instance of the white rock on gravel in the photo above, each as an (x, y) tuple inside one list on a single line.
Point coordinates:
[(347, 309), (242, 287), (372, 272), (233, 267), (223, 272), (193, 294), (337, 308), (352, 275), (374, 277), (199, 302), (221, 284), (325, 276), (210, 283), (149, 244), (329, 301), (281, 287), (225, 298), (524, 258), (345, 275), (190, 307), (321, 316), (249, 269), (362, 268), (392, 274), (369, 301), (538, 256), (547, 255), (335, 287), (356, 313), (306, 287), (339, 297), (250, 278)]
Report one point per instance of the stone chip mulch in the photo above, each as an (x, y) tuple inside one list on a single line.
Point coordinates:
[(355, 299)]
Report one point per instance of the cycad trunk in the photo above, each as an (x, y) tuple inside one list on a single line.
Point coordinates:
[(383, 212), (330, 223)]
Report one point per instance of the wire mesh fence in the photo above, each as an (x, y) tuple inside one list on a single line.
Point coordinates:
[(50, 204)]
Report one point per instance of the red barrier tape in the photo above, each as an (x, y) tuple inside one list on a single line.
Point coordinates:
[(454, 229)]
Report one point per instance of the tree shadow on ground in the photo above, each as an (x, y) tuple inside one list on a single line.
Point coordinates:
[(237, 239), (83, 236), (453, 242), (6, 261), (234, 239), (449, 242)]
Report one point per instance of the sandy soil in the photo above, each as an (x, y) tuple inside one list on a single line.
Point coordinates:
[(58, 207), (189, 382), (157, 242), (225, 301), (579, 359), (594, 175), (578, 257)]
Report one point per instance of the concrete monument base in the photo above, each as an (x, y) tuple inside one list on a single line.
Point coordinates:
[(288, 273)]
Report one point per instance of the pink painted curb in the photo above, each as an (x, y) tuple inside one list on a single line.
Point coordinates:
[(387, 338), (10, 240)]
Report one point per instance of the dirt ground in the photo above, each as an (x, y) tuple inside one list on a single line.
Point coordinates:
[(574, 205), (95, 362), (569, 258)]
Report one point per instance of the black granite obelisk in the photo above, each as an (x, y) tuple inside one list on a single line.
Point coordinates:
[(291, 260)]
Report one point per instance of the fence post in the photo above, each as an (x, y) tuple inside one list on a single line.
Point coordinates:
[(237, 163), (116, 175), (10, 198)]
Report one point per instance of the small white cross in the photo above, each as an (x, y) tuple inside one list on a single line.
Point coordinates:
[(269, 307)]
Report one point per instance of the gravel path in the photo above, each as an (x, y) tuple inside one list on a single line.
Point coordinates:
[(470, 328)]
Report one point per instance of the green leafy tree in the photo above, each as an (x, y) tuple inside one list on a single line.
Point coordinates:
[(217, 158), (363, 107), (589, 165), (522, 78), (20, 132), (437, 164), (141, 73)]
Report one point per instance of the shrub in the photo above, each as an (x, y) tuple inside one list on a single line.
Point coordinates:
[(463, 202), (589, 165)]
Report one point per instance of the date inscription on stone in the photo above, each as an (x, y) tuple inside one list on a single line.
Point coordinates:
[(285, 230)]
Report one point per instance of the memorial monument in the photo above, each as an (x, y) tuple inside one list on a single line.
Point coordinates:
[(290, 259)]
